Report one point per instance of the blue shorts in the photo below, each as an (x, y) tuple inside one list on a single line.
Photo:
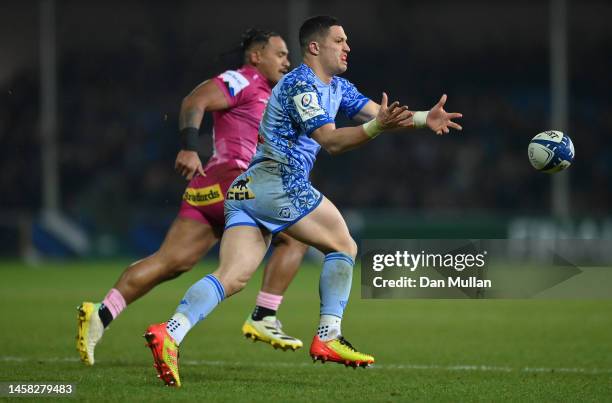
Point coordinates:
[(271, 195)]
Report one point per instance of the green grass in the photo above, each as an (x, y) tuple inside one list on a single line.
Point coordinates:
[(426, 350)]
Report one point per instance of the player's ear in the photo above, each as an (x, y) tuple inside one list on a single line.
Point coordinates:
[(254, 57), (313, 47)]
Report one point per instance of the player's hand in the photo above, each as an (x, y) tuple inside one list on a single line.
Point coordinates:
[(393, 116), (439, 120), (188, 164)]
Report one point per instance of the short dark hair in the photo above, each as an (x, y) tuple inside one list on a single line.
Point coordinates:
[(315, 27), (253, 37)]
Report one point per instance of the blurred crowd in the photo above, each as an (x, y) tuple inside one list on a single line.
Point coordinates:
[(117, 133)]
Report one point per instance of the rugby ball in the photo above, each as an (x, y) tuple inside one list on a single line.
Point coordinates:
[(551, 151)]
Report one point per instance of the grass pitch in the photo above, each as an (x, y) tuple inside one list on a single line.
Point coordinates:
[(426, 350)]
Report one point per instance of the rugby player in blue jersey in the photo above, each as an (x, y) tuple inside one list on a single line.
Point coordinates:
[(275, 194)]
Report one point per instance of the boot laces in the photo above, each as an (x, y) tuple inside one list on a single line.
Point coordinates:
[(345, 342)]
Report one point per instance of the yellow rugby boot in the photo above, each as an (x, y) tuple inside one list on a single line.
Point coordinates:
[(89, 331), (269, 330), (339, 350)]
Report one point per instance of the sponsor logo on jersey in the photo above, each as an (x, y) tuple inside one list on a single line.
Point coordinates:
[(234, 81), (307, 105), (240, 190), (203, 196)]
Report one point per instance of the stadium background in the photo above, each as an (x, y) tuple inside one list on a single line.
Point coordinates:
[(89, 98), (122, 69)]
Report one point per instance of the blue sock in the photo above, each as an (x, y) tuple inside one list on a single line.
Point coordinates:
[(197, 303), (335, 283)]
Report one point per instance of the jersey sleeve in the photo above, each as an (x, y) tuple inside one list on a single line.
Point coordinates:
[(234, 86), (304, 107), (352, 100)]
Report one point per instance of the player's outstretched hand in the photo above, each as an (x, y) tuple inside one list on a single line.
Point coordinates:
[(188, 164), (393, 116), (439, 120)]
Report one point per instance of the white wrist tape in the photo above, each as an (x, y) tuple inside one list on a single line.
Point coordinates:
[(372, 128), (420, 119)]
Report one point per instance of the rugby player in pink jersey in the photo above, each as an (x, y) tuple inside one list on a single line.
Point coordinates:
[(237, 100)]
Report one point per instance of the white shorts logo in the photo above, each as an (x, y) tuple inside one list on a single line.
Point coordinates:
[(307, 105)]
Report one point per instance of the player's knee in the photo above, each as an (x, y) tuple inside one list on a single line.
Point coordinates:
[(349, 247), (352, 248), (180, 263)]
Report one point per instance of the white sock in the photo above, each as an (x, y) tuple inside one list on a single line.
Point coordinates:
[(178, 326), (329, 327)]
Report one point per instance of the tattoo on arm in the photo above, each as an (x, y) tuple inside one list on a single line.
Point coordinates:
[(191, 116)]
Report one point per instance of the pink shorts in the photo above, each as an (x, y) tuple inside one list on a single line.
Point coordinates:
[(203, 199)]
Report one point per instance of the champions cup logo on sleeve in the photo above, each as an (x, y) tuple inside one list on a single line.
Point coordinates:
[(307, 105), (203, 196), (306, 99), (240, 191)]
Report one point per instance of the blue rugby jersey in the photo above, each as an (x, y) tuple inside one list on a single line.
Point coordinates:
[(301, 103)]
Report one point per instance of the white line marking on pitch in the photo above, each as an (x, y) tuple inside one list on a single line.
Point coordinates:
[(481, 368)]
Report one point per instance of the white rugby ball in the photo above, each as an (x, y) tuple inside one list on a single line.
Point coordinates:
[(551, 151)]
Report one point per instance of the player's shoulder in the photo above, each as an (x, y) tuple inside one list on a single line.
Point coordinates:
[(297, 80), (235, 81), (343, 83)]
